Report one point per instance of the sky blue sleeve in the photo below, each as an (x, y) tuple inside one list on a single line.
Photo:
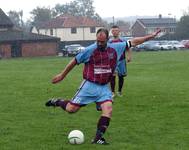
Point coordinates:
[(124, 39), (84, 56)]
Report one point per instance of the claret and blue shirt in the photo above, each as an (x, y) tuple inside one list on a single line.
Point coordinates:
[(99, 67)]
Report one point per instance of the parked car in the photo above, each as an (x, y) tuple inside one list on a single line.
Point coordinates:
[(176, 45), (152, 46), (72, 50), (185, 43), (148, 46), (164, 45), (64, 52)]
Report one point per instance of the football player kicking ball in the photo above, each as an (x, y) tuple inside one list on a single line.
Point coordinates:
[(100, 60)]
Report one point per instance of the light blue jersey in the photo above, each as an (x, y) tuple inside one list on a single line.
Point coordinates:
[(121, 68), (97, 73), (85, 55)]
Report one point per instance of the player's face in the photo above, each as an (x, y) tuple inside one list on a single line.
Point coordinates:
[(115, 32), (101, 45), (101, 41)]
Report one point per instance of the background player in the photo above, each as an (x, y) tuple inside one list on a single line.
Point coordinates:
[(121, 69)]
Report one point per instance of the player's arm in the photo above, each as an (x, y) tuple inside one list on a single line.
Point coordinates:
[(139, 40), (59, 77), (129, 55)]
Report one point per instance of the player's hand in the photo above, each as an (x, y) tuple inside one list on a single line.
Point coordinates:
[(57, 78), (156, 32), (128, 59)]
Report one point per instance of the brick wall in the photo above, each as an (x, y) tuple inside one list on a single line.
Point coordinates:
[(39, 49), (5, 50)]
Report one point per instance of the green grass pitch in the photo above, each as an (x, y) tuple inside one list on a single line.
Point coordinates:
[(153, 113)]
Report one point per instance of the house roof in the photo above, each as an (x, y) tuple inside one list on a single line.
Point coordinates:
[(13, 35), (10, 34), (124, 29), (158, 22), (5, 20), (67, 21)]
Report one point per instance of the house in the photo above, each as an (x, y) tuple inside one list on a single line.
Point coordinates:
[(148, 25), (69, 28), (17, 43), (125, 31)]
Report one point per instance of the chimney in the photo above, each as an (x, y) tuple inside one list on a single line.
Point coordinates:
[(160, 16)]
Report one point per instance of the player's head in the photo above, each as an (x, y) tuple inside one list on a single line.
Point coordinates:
[(102, 38), (115, 31)]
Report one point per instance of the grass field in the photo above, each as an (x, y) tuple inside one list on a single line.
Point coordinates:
[(153, 114)]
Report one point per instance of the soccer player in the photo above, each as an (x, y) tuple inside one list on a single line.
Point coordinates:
[(121, 69), (100, 60)]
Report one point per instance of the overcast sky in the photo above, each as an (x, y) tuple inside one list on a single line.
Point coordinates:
[(108, 8)]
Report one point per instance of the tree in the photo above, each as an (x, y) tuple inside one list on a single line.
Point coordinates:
[(74, 8), (27, 25), (186, 13), (68, 8), (41, 14), (182, 30), (16, 17), (78, 8), (21, 17), (86, 8)]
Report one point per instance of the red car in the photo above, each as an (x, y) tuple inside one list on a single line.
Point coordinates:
[(185, 43)]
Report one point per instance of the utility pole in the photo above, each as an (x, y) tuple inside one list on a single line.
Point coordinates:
[(113, 21)]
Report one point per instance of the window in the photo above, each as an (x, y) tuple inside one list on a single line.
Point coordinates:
[(93, 29), (51, 31), (73, 30)]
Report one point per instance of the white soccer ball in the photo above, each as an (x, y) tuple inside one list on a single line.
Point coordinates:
[(76, 137)]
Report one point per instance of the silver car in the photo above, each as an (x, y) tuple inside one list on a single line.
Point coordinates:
[(74, 49)]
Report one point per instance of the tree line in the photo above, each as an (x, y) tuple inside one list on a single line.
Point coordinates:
[(43, 14), (84, 8)]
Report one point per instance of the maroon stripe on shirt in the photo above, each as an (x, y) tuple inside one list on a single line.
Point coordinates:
[(101, 66)]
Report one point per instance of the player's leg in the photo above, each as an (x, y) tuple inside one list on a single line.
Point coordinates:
[(103, 122), (112, 84), (64, 104), (120, 86), (70, 106), (104, 103), (122, 72)]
